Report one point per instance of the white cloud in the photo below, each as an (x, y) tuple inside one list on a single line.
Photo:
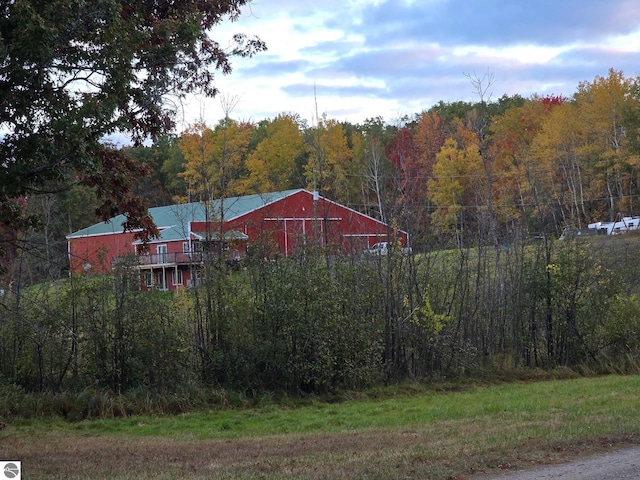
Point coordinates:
[(626, 43), (364, 58)]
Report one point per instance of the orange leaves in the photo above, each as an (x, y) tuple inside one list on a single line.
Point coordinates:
[(430, 135)]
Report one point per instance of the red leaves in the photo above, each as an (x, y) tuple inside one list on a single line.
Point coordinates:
[(551, 101)]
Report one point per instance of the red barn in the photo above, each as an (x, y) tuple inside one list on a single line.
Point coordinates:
[(277, 222)]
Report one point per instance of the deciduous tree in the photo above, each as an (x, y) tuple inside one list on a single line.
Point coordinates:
[(272, 164), (330, 154), (522, 178), (75, 71), (559, 166), (457, 177), (215, 159), (601, 107)]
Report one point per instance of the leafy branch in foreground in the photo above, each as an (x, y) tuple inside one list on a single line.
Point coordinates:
[(73, 72)]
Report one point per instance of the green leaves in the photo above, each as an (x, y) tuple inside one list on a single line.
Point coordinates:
[(74, 71)]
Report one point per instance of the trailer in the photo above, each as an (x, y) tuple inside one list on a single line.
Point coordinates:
[(620, 225)]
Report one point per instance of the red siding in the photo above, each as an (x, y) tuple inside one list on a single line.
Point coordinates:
[(173, 246), (285, 223), (295, 217), (96, 252)]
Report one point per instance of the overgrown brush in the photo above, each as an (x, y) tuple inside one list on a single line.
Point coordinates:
[(319, 326), (96, 403)]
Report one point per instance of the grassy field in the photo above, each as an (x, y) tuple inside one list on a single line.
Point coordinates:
[(413, 434)]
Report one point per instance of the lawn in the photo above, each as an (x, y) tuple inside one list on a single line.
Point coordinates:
[(424, 434)]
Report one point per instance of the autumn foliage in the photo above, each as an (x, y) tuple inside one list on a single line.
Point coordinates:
[(484, 190), (526, 165)]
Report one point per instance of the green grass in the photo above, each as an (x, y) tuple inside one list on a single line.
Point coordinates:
[(565, 401), (421, 435)]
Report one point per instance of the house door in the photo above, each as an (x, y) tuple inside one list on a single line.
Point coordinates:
[(162, 253)]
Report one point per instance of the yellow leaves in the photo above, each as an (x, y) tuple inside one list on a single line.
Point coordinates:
[(553, 268), (508, 158), (457, 175), (330, 155), (197, 145), (601, 105), (581, 148), (558, 133), (214, 158), (426, 318), (271, 165), (182, 301), (633, 161)]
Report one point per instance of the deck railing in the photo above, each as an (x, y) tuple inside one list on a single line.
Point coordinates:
[(171, 258), (177, 258)]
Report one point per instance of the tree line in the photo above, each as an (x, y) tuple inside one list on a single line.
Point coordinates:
[(538, 164), (448, 175), (484, 190)]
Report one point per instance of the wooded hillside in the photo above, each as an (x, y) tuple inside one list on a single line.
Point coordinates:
[(484, 190)]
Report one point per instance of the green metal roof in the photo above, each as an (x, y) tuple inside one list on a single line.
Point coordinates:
[(229, 235), (179, 216), (178, 233), (169, 234)]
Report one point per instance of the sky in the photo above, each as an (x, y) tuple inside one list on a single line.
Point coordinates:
[(356, 59)]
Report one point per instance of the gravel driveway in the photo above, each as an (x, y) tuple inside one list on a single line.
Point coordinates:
[(620, 465)]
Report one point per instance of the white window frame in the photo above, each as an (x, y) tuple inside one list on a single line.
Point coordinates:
[(163, 257), (179, 277)]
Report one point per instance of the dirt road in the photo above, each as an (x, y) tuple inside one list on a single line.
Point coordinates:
[(619, 465)]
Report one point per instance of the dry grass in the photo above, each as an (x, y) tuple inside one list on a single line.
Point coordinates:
[(434, 452)]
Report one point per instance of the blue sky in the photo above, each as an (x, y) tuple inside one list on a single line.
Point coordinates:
[(358, 59)]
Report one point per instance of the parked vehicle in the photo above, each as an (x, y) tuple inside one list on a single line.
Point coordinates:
[(618, 226), (382, 249)]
